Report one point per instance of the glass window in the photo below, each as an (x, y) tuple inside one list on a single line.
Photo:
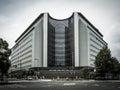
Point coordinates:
[(60, 42)]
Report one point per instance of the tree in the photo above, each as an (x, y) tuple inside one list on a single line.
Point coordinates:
[(85, 72), (115, 67), (4, 58), (103, 61), (31, 72)]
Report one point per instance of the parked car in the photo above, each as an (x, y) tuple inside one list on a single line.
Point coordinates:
[(29, 78)]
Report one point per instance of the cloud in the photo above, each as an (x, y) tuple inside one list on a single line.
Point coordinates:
[(114, 39), (17, 15)]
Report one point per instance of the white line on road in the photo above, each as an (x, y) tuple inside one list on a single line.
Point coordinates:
[(46, 80), (69, 84), (96, 85)]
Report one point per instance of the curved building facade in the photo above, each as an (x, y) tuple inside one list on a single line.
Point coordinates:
[(60, 42), (52, 43)]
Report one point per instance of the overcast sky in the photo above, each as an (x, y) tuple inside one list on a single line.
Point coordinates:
[(17, 15)]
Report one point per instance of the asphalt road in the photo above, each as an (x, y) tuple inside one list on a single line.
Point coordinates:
[(63, 85)]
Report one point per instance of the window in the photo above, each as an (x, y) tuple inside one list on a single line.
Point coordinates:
[(60, 42)]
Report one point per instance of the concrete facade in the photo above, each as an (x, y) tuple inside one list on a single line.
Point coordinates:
[(31, 48)]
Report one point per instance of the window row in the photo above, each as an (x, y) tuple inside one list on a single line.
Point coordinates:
[(17, 61), (20, 47), (25, 44), (93, 51), (94, 47), (95, 42), (97, 39), (29, 56), (25, 53), (92, 59), (92, 55), (13, 57), (23, 40), (28, 61), (94, 31), (26, 66)]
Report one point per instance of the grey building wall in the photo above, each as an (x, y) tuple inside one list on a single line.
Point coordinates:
[(21, 57), (87, 43), (83, 44), (38, 44)]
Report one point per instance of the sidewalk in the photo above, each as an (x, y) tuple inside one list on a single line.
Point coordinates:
[(55, 80)]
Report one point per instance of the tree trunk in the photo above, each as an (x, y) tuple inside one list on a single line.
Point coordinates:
[(3, 78)]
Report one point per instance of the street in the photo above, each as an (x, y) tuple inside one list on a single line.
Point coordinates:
[(62, 85)]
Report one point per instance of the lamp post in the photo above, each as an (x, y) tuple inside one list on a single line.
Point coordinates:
[(95, 72)]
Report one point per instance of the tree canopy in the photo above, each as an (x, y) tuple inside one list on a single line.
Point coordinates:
[(105, 63), (4, 57)]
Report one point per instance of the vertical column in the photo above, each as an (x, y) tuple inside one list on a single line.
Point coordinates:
[(88, 44), (76, 40), (45, 39), (33, 48)]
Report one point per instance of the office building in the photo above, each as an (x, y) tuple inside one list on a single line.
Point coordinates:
[(50, 43)]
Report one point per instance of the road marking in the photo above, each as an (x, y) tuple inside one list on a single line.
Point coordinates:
[(69, 84), (96, 85), (46, 80)]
